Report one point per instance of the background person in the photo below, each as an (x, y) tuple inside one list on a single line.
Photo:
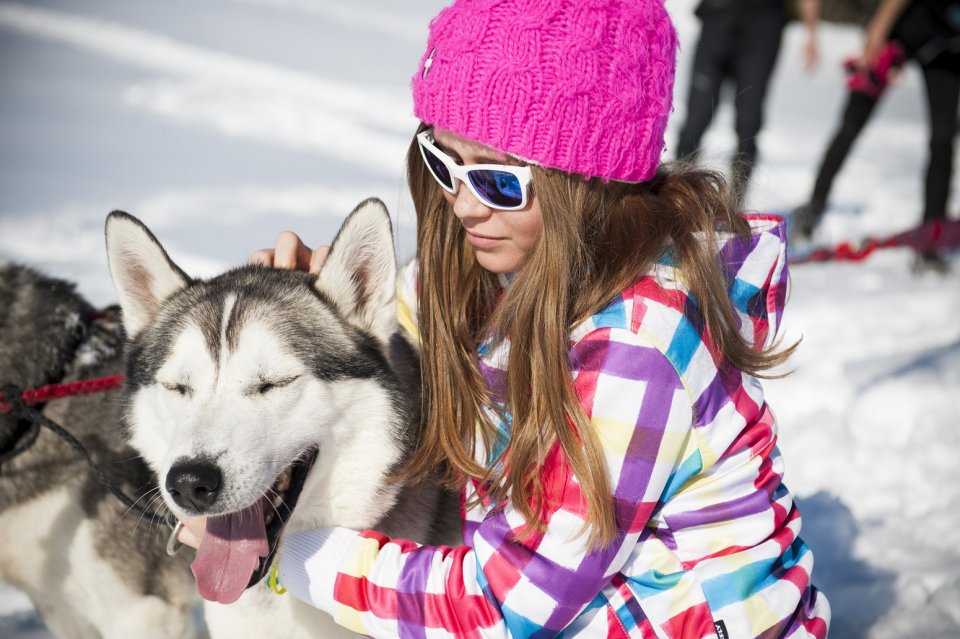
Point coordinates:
[(739, 43), (927, 31)]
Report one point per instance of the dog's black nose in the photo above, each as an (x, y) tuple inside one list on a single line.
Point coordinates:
[(194, 484)]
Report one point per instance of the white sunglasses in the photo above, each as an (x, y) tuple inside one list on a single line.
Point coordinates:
[(500, 186)]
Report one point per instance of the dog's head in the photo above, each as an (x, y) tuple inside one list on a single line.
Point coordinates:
[(261, 395)]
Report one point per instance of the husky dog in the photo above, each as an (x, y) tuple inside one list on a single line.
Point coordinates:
[(91, 567), (272, 401)]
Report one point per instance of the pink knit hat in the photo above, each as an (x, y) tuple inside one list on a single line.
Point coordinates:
[(584, 86)]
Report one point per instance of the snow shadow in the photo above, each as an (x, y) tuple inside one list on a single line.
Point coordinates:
[(860, 594), (23, 624), (932, 365)]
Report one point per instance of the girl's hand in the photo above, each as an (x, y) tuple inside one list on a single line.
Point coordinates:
[(290, 253)]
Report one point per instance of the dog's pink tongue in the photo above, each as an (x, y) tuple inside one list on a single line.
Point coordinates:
[(229, 553)]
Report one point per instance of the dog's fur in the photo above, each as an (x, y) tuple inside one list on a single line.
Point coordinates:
[(232, 380), (241, 375), (91, 567)]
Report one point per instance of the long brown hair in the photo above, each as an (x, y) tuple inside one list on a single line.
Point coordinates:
[(597, 239)]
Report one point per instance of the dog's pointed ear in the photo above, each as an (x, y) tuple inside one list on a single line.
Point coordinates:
[(143, 273), (360, 273)]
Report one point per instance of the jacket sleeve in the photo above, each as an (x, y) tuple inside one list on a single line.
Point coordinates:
[(499, 585)]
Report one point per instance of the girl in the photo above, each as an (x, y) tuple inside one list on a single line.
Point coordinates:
[(592, 329)]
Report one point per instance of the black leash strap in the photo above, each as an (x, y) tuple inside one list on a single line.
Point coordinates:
[(14, 396), (23, 439)]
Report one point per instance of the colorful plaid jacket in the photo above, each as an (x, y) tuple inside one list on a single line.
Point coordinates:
[(708, 544)]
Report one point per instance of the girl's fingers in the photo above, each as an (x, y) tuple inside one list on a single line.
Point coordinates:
[(263, 257), (318, 258), (291, 253)]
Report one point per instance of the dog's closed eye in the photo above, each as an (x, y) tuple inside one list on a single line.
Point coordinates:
[(178, 388), (264, 386)]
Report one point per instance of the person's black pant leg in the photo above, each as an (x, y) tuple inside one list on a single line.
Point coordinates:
[(943, 89), (756, 48), (710, 66), (856, 114)]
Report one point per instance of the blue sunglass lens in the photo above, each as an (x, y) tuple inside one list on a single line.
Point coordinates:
[(497, 187), (439, 169)]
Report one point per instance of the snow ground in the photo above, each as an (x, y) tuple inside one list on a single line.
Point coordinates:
[(222, 122)]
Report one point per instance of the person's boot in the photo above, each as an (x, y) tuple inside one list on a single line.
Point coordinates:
[(804, 221), (741, 169), (930, 262)]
